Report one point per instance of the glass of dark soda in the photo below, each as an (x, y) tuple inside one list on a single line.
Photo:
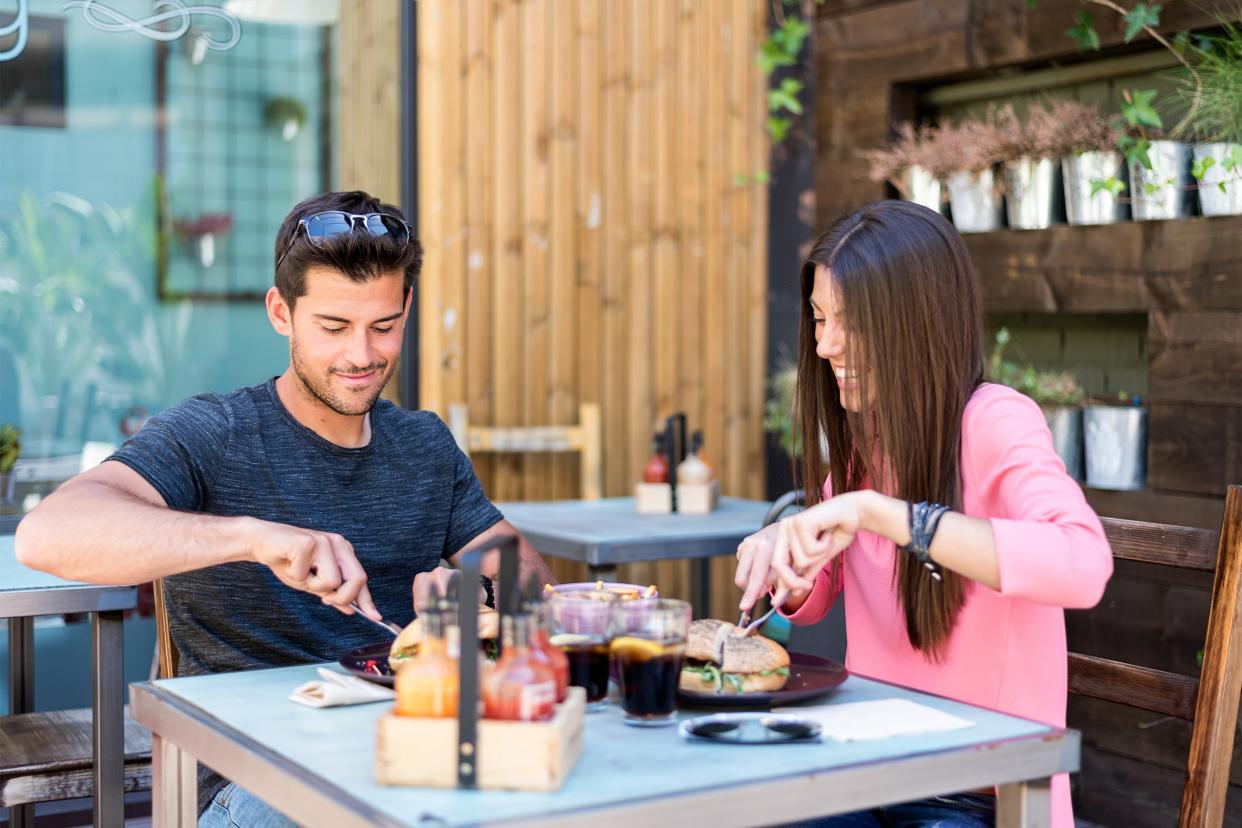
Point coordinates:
[(579, 625), (648, 642)]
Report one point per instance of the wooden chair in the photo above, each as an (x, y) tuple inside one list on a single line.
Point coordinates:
[(1210, 701), (165, 651), (585, 437)]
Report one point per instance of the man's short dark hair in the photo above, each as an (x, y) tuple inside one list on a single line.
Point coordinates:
[(358, 254)]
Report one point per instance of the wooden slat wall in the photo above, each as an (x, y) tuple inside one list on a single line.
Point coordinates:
[(367, 130), (586, 237)]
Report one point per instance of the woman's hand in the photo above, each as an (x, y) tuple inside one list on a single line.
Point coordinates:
[(808, 541), (754, 575)]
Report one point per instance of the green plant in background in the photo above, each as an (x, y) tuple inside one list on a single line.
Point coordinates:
[(10, 447), (1049, 389), (1218, 59), (286, 114), (779, 413), (74, 305)]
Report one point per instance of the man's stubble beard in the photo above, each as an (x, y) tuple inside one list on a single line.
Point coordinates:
[(323, 393)]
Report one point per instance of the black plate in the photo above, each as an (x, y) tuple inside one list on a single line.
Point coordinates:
[(809, 676), (373, 655)]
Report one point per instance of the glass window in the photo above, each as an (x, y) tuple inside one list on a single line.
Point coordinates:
[(147, 158)]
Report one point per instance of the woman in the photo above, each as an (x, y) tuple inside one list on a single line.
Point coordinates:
[(946, 519)]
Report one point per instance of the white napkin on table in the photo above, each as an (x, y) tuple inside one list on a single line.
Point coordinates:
[(881, 719), (338, 689)]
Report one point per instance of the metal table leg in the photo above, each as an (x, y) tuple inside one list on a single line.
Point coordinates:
[(701, 578), (109, 721), (21, 694), (606, 572), (1025, 804), (174, 785)]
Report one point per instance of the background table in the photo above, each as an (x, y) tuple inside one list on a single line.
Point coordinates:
[(24, 594), (317, 765), (608, 532)]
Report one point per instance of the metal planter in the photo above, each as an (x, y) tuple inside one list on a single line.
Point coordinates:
[(1065, 422), (975, 201), (922, 187), (1033, 194), (1078, 171), (1164, 191), (1220, 191), (1115, 439)]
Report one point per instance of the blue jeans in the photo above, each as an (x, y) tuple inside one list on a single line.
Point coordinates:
[(955, 811), (236, 807)]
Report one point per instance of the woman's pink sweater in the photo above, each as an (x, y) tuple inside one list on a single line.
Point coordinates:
[(1007, 649)]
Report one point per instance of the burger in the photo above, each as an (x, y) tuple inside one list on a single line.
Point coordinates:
[(407, 643), (720, 658)]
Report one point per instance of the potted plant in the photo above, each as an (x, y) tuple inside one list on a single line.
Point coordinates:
[(968, 152), (1159, 168), (1115, 438), (1032, 153), (10, 450), (1058, 395), (1217, 122), (286, 114), (909, 166), (778, 417), (1091, 166), (200, 235)]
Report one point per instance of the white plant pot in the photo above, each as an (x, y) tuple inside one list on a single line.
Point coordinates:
[(1078, 172), (1115, 438), (1033, 193), (1065, 423), (1165, 190), (1220, 191), (922, 187), (975, 201)]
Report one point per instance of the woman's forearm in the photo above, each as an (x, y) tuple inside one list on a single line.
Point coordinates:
[(962, 544)]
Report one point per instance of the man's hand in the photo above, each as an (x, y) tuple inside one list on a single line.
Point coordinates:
[(431, 585), (321, 563)]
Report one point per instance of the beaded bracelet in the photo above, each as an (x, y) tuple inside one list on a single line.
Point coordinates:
[(924, 520)]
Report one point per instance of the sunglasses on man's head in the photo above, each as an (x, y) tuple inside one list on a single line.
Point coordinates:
[(320, 226)]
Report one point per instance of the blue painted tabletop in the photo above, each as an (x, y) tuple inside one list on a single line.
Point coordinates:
[(618, 764), (610, 531)]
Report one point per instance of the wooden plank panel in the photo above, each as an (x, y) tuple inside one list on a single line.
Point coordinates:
[(639, 171), (1143, 687), (477, 314), (508, 248), (536, 200), (1195, 356), (563, 300), (1162, 544), (589, 201), (1194, 447), (756, 296), (666, 124), (432, 106), (691, 277), (452, 271), (615, 355), (1186, 510)]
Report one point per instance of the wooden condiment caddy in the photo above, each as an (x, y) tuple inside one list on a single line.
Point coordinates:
[(469, 752)]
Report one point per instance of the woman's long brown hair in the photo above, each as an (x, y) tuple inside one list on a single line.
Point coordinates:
[(913, 322)]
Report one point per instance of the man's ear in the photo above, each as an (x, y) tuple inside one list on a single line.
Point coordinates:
[(280, 314)]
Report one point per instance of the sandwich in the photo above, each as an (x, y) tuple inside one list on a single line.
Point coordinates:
[(406, 645), (721, 659)]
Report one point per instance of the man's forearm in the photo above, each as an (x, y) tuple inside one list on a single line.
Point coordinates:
[(96, 532)]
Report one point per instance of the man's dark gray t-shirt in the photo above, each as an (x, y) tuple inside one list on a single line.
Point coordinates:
[(404, 501)]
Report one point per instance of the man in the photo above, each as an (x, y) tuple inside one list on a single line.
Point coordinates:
[(268, 509)]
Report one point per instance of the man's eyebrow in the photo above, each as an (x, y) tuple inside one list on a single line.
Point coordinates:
[(325, 317)]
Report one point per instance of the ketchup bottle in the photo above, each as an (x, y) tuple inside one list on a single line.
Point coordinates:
[(522, 687), (656, 470)]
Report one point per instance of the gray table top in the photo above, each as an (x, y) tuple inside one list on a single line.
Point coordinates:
[(25, 592), (610, 531), (317, 765)]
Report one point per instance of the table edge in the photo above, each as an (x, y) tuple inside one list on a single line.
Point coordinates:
[(150, 703)]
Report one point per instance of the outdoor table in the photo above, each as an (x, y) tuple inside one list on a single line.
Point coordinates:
[(605, 533), (316, 765), (24, 594)]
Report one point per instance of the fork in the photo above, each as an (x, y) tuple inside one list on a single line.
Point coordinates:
[(748, 627)]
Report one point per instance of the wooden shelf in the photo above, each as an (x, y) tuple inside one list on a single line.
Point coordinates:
[(1128, 267)]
